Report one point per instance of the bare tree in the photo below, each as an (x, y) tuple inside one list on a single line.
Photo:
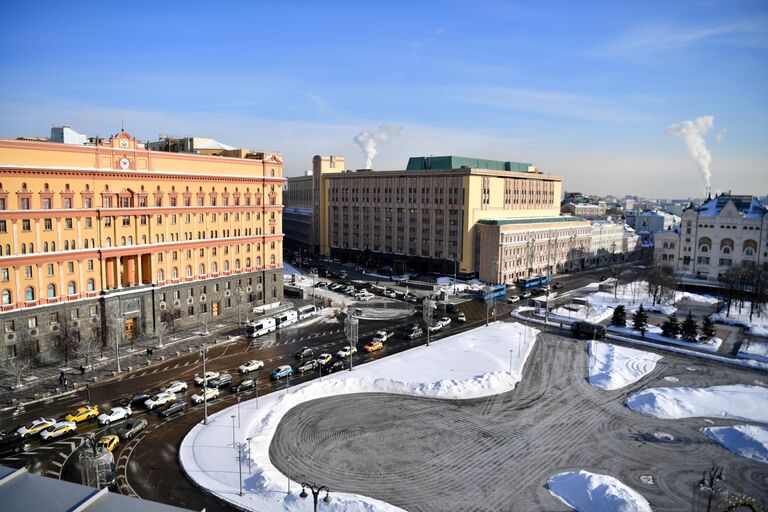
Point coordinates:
[(90, 345), (18, 365), (66, 339), (170, 315), (161, 329)]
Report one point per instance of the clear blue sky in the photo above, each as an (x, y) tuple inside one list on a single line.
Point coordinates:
[(581, 89)]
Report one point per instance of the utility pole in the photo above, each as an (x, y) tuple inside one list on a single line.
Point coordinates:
[(350, 329), (203, 352), (427, 309), (117, 342)]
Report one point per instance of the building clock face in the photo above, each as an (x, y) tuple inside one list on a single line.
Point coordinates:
[(123, 143), (124, 163)]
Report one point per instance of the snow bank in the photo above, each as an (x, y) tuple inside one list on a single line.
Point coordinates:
[(636, 293), (472, 364), (447, 283), (593, 313), (290, 270), (591, 492), (757, 350), (653, 333), (758, 326), (612, 367), (749, 441), (737, 401)]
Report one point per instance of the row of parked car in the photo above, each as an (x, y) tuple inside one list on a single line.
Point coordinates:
[(367, 291), (533, 292)]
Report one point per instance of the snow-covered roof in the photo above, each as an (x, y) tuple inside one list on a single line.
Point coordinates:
[(748, 206), (205, 143)]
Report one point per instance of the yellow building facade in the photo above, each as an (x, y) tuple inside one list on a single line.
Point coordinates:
[(113, 232)]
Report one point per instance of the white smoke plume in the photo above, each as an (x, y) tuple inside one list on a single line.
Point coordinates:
[(368, 141), (692, 134)]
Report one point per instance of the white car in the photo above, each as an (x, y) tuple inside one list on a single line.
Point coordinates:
[(160, 399), (57, 430), (204, 396), (345, 352), (390, 293), (436, 326), (250, 366), (36, 426), (207, 376), (176, 386), (116, 414), (445, 321), (365, 297), (461, 318), (512, 299)]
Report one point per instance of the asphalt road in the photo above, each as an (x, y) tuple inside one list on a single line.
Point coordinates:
[(497, 453)]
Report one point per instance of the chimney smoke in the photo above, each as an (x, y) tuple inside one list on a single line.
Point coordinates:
[(368, 141), (692, 134)]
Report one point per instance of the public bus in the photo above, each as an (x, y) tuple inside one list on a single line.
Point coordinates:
[(533, 282), (287, 318), (306, 311), (260, 327), (495, 290)]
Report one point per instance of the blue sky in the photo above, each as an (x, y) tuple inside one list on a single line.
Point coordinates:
[(581, 89)]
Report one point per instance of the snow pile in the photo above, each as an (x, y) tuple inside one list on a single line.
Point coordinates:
[(592, 313), (757, 350), (736, 401), (612, 367), (635, 293), (749, 441), (695, 297), (472, 364), (654, 333), (592, 492), (447, 283), (758, 326)]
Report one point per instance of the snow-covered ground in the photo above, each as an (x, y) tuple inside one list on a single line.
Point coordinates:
[(613, 367), (749, 441), (472, 364), (758, 326), (654, 333), (757, 350), (290, 270), (446, 283), (572, 312), (592, 492), (736, 401), (636, 293)]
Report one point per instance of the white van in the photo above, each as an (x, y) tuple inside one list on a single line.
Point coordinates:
[(306, 311), (287, 318), (260, 327)]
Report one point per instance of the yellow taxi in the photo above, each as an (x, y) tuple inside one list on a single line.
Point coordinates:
[(373, 346), (109, 442), (83, 413)]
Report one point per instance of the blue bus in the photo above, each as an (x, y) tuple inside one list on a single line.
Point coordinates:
[(533, 282), (496, 290)]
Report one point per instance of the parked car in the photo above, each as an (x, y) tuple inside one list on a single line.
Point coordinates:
[(35, 426), (557, 285), (243, 385), (526, 295), (160, 399), (435, 326), (58, 429), (109, 442), (308, 365), (221, 381), (321, 284), (173, 408), (176, 386), (417, 332), (204, 396), (335, 287), (513, 298), (373, 346), (335, 366), (304, 352), (84, 413), (250, 366), (587, 330), (324, 358), (115, 414), (365, 297), (461, 318), (346, 351), (390, 293), (135, 400), (281, 372), (132, 428), (410, 298), (446, 321), (207, 376)]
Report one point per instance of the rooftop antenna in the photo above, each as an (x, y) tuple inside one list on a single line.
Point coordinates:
[(122, 125)]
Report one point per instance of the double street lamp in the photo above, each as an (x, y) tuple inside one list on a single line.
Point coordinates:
[(316, 490)]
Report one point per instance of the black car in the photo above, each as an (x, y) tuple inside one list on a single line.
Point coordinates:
[(335, 366), (173, 408), (135, 400), (221, 381), (557, 285), (243, 385), (587, 330), (305, 352), (11, 443)]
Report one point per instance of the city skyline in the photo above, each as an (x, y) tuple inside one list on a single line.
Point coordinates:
[(581, 92)]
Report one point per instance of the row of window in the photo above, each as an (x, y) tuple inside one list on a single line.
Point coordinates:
[(214, 268), (53, 318), (29, 292)]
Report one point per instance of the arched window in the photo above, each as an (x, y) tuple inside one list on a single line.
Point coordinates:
[(226, 265), (214, 267), (45, 246), (122, 240), (237, 264), (272, 259), (188, 271), (258, 261), (160, 275), (29, 294), (85, 242), (143, 239), (73, 245), (174, 273), (7, 249), (202, 269), (726, 250), (71, 288), (51, 291), (66, 245), (31, 248), (23, 248), (130, 240), (90, 285), (109, 242), (7, 297), (247, 262)]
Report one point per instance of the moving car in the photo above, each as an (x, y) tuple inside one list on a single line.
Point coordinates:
[(173, 408), (11, 443), (435, 326), (176, 386), (335, 366), (115, 414), (365, 297), (557, 285), (132, 428), (109, 442), (587, 330), (304, 352), (335, 287), (526, 295), (513, 298), (244, 385), (416, 332), (83, 413), (58, 430), (36, 426), (204, 396), (308, 365), (281, 372), (383, 336), (390, 293), (160, 399), (461, 318), (373, 346), (222, 380), (324, 358), (445, 321), (346, 351), (207, 376), (251, 366), (135, 400)]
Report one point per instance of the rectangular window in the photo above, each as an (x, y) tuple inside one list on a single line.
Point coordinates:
[(74, 314), (24, 204), (50, 269), (88, 222), (176, 294), (46, 203), (68, 223), (107, 221), (70, 267), (3, 226), (8, 326), (90, 264), (87, 202), (31, 322), (93, 310), (47, 224), (107, 202), (4, 274), (25, 225), (28, 272), (53, 318), (190, 310), (126, 221), (67, 203)]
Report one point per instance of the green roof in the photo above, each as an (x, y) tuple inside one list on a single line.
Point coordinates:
[(503, 222), (423, 163)]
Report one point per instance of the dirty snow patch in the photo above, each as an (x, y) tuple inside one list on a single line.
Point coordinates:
[(591, 492)]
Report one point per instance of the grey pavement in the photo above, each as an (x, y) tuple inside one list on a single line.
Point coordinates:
[(497, 453)]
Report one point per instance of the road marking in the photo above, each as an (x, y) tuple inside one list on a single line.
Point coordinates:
[(57, 464), (177, 365), (52, 473)]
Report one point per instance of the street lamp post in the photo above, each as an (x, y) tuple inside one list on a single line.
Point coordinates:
[(203, 353), (427, 309), (316, 490), (117, 343), (238, 411), (256, 387), (239, 292), (351, 325), (240, 465), (233, 431), (510, 361), (249, 453)]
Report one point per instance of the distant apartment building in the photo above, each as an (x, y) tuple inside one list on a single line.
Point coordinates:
[(66, 135), (612, 242), (725, 231), (113, 239), (586, 210), (648, 223)]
